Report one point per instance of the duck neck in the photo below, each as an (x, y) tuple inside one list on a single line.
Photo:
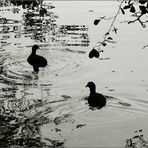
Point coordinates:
[(92, 90), (33, 52)]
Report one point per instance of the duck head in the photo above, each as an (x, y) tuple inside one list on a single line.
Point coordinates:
[(34, 48), (91, 86)]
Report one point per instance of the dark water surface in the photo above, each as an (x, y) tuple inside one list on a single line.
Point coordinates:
[(24, 95)]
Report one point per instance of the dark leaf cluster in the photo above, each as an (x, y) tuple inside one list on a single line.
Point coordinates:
[(138, 9), (25, 3), (131, 6)]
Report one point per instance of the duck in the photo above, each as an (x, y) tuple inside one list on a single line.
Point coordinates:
[(35, 60), (95, 99)]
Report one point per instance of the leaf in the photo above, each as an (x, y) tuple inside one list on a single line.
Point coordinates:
[(142, 1), (96, 21), (115, 30), (127, 6), (94, 53), (129, 1), (132, 9), (143, 9), (123, 12), (109, 38), (107, 33), (104, 44)]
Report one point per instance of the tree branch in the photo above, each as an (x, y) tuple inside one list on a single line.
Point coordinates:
[(98, 47)]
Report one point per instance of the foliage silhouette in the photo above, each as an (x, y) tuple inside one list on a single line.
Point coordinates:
[(138, 10), (94, 53), (27, 4), (96, 21)]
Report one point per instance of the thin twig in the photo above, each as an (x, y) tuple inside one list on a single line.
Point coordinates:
[(111, 26), (139, 20)]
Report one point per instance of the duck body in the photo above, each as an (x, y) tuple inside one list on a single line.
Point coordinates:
[(35, 60), (95, 99)]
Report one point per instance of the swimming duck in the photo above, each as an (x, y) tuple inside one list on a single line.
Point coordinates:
[(35, 60), (95, 99)]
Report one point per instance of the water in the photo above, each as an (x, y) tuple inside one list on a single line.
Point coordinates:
[(50, 108)]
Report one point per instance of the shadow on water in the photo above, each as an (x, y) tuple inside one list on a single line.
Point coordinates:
[(22, 116)]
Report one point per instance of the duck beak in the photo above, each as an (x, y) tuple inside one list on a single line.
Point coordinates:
[(86, 85)]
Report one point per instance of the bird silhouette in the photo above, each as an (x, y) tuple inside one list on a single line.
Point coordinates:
[(95, 99), (35, 60)]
